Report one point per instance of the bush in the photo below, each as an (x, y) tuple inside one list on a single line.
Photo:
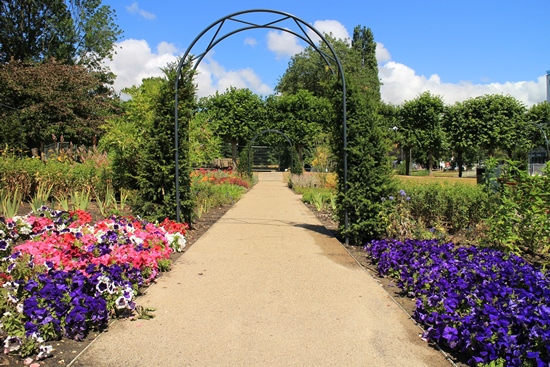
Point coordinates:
[(518, 210), (433, 210)]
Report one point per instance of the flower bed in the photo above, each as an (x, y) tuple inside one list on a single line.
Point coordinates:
[(490, 306), (61, 276)]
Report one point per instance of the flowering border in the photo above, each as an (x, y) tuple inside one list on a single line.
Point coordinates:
[(493, 307), (61, 276)]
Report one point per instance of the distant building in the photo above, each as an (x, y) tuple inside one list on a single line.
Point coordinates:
[(548, 86)]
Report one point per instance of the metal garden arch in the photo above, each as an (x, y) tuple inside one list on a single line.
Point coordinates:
[(269, 131), (248, 25)]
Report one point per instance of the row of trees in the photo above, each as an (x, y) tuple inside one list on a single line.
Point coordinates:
[(58, 88), (470, 131)]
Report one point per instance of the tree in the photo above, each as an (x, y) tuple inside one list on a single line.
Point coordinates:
[(363, 43), (498, 123), (124, 136), (422, 120), (52, 99), (538, 118), (301, 117), (461, 133), (71, 31), (157, 196), (204, 144), (369, 167), (308, 70), (235, 116)]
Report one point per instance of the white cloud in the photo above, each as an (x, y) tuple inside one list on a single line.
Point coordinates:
[(135, 9), (283, 44), (212, 76), (135, 61), (401, 83), (249, 41), (332, 27), (382, 53)]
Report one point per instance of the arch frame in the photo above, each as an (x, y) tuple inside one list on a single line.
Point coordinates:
[(249, 145), (247, 25)]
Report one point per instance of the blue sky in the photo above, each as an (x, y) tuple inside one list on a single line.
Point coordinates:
[(456, 49)]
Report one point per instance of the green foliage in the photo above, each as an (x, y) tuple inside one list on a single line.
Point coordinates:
[(79, 200), (41, 196), (538, 118), (53, 102), (10, 202), (518, 219), (156, 196), (491, 122), (318, 197), (369, 166), (74, 31), (422, 125), (124, 136), (235, 115), (444, 208), (38, 181), (214, 190), (369, 169), (244, 164), (301, 116), (204, 145), (296, 168)]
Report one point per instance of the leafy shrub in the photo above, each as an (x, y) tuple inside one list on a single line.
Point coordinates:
[(450, 207), (519, 209)]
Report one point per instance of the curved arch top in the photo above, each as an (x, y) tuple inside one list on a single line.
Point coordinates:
[(274, 24)]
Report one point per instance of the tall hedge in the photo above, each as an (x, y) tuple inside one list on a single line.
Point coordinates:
[(156, 167), (369, 176)]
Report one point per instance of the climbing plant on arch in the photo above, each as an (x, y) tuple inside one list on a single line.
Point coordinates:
[(239, 23)]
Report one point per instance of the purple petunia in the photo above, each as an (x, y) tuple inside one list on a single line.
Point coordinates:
[(478, 302)]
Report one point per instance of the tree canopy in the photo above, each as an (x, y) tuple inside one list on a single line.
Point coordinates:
[(235, 116), (51, 100), (71, 31), (422, 122), (301, 116)]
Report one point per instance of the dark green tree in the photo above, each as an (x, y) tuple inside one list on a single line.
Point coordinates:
[(71, 31), (52, 100), (538, 118), (156, 167), (124, 136)]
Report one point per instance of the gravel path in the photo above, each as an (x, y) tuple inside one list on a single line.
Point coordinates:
[(267, 285)]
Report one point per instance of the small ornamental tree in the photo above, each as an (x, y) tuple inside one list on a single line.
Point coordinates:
[(156, 168), (369, 169)]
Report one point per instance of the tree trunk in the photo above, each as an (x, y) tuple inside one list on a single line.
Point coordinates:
[(459, 160), (408, 163), (430, 162), (234, 153)]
